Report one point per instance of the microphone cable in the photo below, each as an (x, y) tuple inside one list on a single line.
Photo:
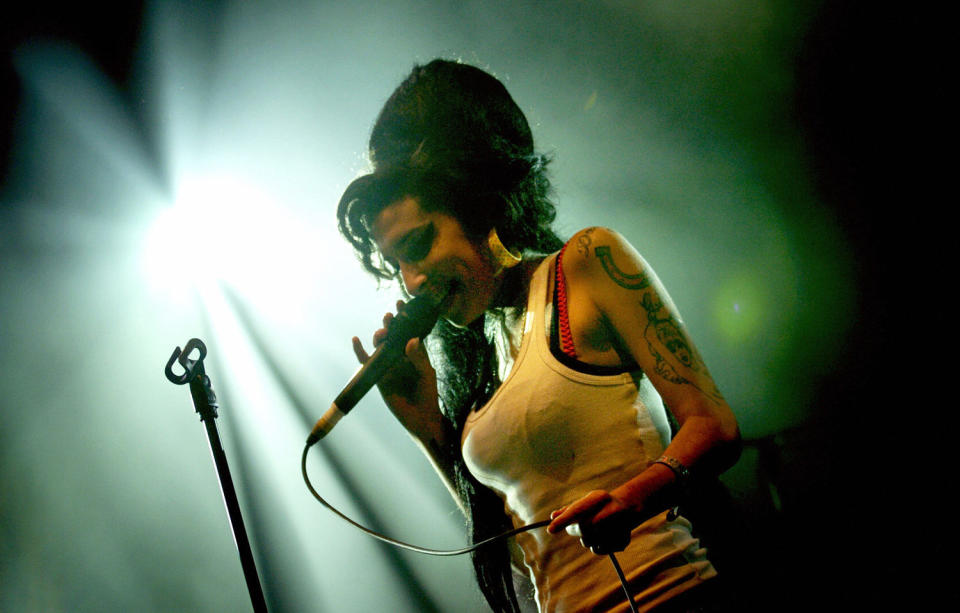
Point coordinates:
[(445, 552)]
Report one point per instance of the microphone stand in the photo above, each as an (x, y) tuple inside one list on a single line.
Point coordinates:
[(205, 403)]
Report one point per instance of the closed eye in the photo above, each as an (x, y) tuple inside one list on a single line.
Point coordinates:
[(418, 243)]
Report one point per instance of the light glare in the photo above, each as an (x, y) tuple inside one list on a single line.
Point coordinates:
[(223, 229)]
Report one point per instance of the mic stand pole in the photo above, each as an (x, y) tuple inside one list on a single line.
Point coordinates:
[(205, 403)]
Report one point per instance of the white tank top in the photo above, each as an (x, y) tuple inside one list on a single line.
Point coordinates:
[(549, 435)]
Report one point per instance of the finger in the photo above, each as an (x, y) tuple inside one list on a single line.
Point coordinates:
[(557, 512), (586, 506), (416, 352), (569, 517), (417, 355), (359, 351), (613, 509), (379, 336)]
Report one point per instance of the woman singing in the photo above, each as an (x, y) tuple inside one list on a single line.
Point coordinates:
[(541, 392)]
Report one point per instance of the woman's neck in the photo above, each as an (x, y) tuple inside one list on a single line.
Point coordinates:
[(511, 295)]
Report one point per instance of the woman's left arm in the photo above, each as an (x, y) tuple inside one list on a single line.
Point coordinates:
[(609, 282)]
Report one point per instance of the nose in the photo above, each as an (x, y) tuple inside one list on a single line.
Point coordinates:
[(413, 278)]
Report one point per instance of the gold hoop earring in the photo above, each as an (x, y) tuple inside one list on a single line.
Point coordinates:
[(501, 255)]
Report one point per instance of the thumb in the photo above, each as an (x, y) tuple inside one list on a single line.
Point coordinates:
[(417, 355)]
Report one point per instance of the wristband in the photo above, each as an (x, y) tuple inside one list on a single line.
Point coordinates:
[(681, 472)]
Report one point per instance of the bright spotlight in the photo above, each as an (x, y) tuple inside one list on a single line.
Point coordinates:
[(221, 228)]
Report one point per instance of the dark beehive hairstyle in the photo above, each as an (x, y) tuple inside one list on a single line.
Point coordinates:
[(452, 136)]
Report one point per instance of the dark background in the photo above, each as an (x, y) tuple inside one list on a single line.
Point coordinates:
[(864, 482)]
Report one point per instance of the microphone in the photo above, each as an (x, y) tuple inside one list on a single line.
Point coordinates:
[(414, 320)]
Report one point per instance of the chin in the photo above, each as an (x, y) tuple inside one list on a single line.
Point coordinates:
[(460, 307), (460, 320), (462, 317)]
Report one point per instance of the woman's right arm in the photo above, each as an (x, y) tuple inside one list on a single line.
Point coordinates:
[(409, 390)]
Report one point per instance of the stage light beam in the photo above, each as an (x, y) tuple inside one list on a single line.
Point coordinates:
[(221, 228)]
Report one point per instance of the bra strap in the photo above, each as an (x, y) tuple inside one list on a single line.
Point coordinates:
[(560, 283)]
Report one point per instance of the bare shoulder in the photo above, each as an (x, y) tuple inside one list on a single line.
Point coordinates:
[(602, 253)]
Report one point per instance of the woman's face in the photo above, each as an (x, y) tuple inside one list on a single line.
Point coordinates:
[(435, 257)]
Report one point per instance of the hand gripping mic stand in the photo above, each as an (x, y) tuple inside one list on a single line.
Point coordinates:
[(205, 403)]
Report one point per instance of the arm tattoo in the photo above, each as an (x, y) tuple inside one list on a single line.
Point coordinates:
[(662, 331), (666, 332), (583, 242), (624, 280)]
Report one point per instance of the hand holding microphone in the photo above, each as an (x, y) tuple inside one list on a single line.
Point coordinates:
[(400, 365)]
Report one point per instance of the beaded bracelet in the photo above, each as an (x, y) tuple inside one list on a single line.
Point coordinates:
[(681, 472)]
